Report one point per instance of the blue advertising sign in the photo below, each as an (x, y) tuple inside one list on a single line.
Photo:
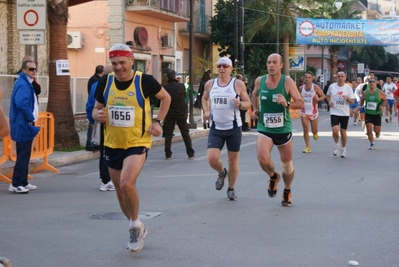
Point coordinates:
[(347, 32)]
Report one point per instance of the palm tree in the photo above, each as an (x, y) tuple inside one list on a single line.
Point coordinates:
[(288, 11), (372, 56), (59, 101), (327, 9)]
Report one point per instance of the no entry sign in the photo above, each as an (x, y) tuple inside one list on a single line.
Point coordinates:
[(31, 14)]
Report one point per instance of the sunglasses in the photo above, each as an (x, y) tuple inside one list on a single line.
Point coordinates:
[(371, 81), (32, 69), (225, 66)]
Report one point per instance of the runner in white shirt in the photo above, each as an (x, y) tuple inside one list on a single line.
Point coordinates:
[(388, 88), (339, 96), (311, 94)]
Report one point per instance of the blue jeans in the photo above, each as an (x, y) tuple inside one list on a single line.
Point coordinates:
[(21, 168)]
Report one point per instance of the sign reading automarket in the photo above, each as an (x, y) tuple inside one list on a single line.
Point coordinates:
[(347, 32), (31, 14)]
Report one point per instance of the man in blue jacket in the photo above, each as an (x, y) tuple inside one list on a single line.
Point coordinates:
[(23, 114), (106, 184)]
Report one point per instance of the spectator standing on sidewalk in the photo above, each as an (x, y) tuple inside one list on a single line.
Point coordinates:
[(177, 114), (106, 184), (222, 99), (198, 102), (99, 72), (93, 80), (22, 119), (123, 104)]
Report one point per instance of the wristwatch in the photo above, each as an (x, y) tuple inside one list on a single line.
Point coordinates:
[(288, 105), (159, 121)]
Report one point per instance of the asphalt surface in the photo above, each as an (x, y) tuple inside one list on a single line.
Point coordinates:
[(344, 209)]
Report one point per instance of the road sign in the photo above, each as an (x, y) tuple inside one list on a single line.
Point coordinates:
[(31, 37), (62, 67), (31, 14), (360, 67), (297, 58)]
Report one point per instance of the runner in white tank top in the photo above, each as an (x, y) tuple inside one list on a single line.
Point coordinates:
[(224, 116), (311, 94)]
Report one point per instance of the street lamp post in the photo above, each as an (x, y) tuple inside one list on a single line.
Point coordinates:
[(277, 26), (192, 124)]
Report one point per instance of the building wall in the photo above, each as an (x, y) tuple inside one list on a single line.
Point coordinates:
[(91, 20)]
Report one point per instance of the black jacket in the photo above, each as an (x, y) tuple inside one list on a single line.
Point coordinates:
[(177, 92)]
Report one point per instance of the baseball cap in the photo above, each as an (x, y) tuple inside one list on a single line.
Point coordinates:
[(225, 60)]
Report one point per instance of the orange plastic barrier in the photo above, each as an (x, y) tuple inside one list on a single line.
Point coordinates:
[(42, 146), (6, 141)]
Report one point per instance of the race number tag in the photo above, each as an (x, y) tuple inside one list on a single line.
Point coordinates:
[(308, 101), (273, 120), (121, 116), (371, 106), (220, 102), (340, 101)]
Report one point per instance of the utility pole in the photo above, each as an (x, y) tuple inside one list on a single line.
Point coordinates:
[(235, 21), (191, 124), (277, 26), (242, 48)]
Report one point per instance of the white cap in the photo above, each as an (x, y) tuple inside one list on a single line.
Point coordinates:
[(225, 60)]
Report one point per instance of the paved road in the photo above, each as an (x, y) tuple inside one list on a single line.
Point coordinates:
[(343, 209)]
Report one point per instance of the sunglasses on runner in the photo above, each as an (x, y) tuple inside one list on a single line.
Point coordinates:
[(225, 66), (32, 69), (371, 81)]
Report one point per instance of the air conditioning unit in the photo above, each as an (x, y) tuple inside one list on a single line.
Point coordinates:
[(74, 40), (167, 40)]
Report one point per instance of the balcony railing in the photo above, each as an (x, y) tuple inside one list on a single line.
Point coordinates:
[(201, 24), (177, 7)]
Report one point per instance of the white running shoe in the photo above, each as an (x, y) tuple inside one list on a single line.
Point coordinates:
[(136, 238), (336, 149), (30, 186), (343, 152), (18, 189), (107, 187)]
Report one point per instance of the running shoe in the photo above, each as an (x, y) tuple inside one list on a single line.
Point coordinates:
[(220, 180), (386, 119), (30, 186), (354, 123), (377, 135), (286, 201), (390, 118), (272, 189), (307, 150), (4, 262), (107, 187), (231, 195), (316, 136), (336, 149), (372, 146), (343, 152), (18, 189), (136, 238)]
